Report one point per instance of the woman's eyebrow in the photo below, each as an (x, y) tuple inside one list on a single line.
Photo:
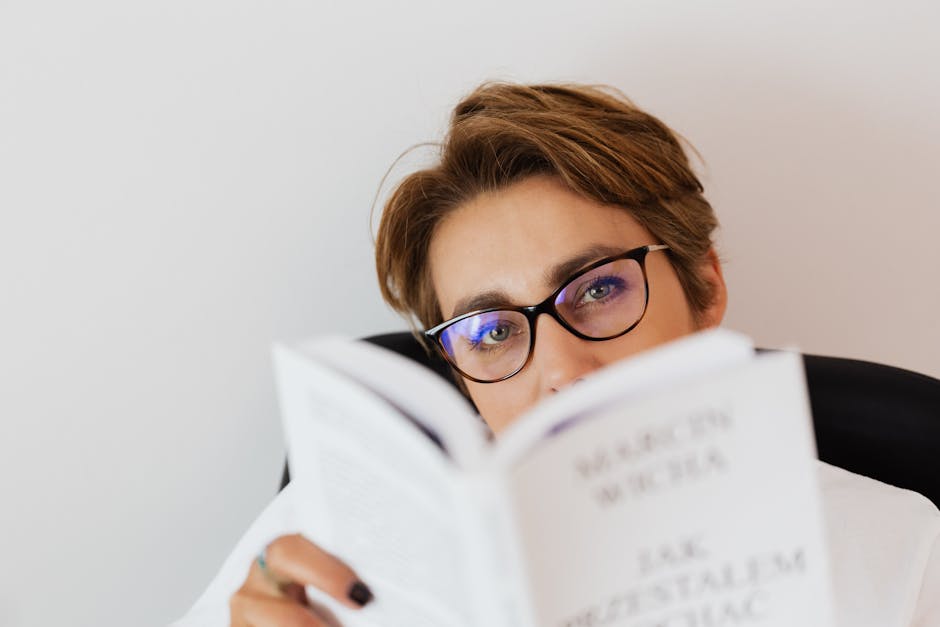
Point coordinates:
[(562, 271), (552, 277), (483, 300)]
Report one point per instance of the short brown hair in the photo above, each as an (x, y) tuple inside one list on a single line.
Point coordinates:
[(591, 138)]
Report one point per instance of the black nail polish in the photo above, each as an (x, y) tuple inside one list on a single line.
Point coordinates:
[(360, 593)]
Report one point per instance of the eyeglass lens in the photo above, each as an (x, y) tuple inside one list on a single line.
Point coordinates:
[(602, 303)]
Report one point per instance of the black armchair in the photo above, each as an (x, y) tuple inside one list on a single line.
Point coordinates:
[(871, 419)]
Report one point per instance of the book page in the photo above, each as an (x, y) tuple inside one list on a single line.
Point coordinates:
[(694, 507), (419, 393), (378, 493), (662, 368)]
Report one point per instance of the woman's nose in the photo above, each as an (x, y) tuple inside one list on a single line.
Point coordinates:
[(559, 357)]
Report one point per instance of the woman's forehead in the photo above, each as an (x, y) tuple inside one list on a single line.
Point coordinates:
[(513, 241)]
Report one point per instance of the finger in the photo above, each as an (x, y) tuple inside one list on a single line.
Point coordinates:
[(253, 610), (296, 592), (295, 559)]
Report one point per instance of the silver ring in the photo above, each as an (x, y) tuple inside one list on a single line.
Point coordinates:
[(262, 560)]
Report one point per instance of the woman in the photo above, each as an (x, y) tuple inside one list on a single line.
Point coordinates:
[(534, 184)]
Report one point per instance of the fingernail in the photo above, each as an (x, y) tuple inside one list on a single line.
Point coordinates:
[(360, 593)]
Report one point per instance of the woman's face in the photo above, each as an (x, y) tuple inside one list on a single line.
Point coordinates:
[(508, 242)]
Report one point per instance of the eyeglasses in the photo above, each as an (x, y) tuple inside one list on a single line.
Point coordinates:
[(605, 300)]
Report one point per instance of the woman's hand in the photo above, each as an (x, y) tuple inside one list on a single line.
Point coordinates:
[(274, 595)]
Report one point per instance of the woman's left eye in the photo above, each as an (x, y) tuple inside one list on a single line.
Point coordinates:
[(600, 289)]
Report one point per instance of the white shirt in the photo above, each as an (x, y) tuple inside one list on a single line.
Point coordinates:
[(884, 547)]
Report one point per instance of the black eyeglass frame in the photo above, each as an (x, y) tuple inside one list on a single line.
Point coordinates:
[(547, 306)]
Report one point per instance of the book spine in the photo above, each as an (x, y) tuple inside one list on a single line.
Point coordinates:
[(500, 590)]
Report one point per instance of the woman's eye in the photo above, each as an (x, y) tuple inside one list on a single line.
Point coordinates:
[(492, 332), (601, 289), (496, 335), (596, 292)]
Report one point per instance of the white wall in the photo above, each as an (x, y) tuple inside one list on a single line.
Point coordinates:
[(183, 182)]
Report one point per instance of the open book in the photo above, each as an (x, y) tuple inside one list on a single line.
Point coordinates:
[(673, 489)]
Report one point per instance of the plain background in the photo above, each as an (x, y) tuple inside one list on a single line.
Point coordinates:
[(182, 182)]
